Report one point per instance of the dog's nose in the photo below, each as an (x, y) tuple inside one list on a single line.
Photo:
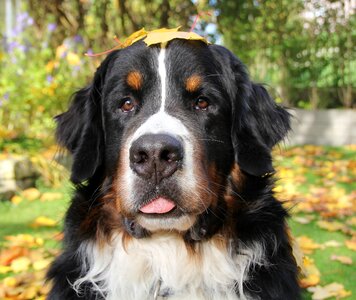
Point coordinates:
[(156, 156)]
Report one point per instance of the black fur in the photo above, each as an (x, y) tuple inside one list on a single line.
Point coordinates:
[(243, 116)]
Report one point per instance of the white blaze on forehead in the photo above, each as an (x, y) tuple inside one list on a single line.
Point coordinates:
[(162, 71), (162, 122)]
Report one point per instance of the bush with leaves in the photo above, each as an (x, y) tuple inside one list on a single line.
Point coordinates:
[(36, 80)]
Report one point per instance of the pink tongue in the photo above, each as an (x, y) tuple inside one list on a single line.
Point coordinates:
[(158, 206)]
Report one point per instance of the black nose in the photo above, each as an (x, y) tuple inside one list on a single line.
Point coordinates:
[(156, 156)]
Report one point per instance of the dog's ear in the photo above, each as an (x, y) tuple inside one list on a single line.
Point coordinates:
[(80, 128), (261, 124)]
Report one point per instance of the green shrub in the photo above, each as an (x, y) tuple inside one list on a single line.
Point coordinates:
[(37, 80)]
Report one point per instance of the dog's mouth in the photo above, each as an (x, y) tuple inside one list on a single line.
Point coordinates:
[(158, 206)]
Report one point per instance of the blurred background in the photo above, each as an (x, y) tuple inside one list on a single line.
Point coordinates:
[(303, 50)]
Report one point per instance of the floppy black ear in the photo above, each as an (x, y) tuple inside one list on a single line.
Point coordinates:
[(262, 124), (80, 128)]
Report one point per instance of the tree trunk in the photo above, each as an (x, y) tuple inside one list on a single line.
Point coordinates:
[(165, 8)]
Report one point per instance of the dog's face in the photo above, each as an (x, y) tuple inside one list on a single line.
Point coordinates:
[(166, 127)]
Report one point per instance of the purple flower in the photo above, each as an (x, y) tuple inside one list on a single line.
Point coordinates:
[(6, 96), (29, 21), (49, 78), (90, 51), (11, 46), (22, 17), (22, 48), (4, 99), (76, 69), (78, 39), (51, 27)]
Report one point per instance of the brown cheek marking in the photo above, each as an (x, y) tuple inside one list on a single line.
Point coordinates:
[(200, 198), (237, 177), (103, 221), (217, 184), (231, 199), (134, 80), (193, 83), (121, 192)]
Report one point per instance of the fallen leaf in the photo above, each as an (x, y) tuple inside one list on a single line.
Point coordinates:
[(303, 220), (41, 264), (164, 35), (43, 221), (5, 269), (9, 254), (330, 226), (10, 282), (351, 221), (310, 272), (343, 259), (16, 199), (332, 243), (20, 264), (30, 292), (24, 240), (331, 290), (351, 244), (58, 236), (49, 196), (307, 244), (31, 194)]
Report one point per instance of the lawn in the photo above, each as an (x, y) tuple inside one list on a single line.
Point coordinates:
[(317, 185)]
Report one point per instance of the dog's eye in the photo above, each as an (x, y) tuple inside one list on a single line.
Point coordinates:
[(127, 104), (201, 103)]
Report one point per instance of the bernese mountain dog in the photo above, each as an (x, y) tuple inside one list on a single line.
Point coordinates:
[(173, 181)]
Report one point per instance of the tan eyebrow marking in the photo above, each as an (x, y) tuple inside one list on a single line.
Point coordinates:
[(193, 83), (134, 80)]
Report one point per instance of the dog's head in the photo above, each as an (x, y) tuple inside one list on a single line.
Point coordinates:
[(166, 126)]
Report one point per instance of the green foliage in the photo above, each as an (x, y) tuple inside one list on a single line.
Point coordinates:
[(20, 145), (37, 80), (304, 48)]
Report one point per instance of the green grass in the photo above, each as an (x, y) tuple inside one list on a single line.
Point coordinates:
[(331, 271), (17, 219)]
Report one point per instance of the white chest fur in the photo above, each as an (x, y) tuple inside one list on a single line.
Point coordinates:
[(214, 272)]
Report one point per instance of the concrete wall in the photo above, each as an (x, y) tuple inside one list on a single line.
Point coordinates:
[(334, 127)]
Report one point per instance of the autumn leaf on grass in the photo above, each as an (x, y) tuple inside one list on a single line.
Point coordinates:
[(16, 199), (351, 244), (43, 222), (351, 221), (31, 194), (311, 274), (307, 244), (304, 220), (24, 240), (331, 290), (332, 243), (20, 264), (24, 286), (330, 225), (42, 264), (5, 269), (50, 196), (343, 259), (9, 254)]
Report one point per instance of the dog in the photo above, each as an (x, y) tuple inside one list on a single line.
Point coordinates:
[(173, 181)]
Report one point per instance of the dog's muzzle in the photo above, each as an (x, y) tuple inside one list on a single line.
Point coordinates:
[(154, 157)]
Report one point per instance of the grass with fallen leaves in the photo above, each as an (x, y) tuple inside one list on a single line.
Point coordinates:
[(317, 184)]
